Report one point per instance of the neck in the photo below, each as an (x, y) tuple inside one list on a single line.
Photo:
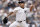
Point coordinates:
[(22, 7)]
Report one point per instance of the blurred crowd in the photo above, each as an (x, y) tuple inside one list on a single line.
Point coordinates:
[(4, 11)]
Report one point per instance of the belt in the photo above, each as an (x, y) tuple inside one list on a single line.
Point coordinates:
[(20, 21)]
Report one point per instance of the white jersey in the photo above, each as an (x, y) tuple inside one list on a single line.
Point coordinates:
[(21, 15), (10, 10)]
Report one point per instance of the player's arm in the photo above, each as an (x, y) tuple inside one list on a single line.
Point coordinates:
[(12, 13), (31, 7), (5, 20)]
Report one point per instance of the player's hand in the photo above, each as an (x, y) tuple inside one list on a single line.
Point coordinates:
[(5, 20)]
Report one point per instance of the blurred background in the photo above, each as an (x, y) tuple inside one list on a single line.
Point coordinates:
[(5, 6)]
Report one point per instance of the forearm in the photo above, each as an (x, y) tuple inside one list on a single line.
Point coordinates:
[(31, 8), (10, 14)]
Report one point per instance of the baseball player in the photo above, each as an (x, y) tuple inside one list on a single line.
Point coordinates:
[(20, 15)]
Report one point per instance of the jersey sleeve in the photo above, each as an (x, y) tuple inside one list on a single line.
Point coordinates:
[(15, 10), (10, 10), (27, 9)]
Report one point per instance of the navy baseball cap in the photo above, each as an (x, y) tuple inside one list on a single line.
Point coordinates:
[(21, 2)]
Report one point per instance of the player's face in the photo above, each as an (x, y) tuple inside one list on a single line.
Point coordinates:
[(22, 4)]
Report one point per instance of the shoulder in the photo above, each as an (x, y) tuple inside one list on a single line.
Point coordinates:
[(27, 8), (17, 8), (10, 9)]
